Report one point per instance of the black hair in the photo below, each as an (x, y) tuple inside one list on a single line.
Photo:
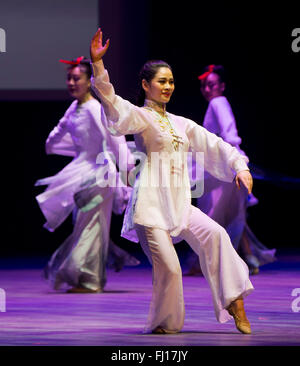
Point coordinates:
[(217, 69), (148, 72), (84, 65)]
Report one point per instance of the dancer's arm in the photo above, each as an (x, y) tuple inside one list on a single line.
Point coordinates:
[(56, 135), (123, 117), (220, 158), (59, 140)]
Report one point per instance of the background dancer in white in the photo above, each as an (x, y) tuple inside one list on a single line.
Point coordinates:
[(221, 200), (80, 262)]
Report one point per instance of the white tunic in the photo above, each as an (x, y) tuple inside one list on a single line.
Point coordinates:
[(157, 205)]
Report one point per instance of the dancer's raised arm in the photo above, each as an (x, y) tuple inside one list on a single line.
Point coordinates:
[(122, 116)]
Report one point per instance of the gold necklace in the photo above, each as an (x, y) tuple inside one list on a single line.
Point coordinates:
[(165, 124)]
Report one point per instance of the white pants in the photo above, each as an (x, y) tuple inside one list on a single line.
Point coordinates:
[(226, 273)]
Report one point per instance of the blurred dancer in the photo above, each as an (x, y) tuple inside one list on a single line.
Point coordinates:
[(222, 201), (81, 188)]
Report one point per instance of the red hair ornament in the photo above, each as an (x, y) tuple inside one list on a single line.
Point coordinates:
[(76, 62), (208, 72)]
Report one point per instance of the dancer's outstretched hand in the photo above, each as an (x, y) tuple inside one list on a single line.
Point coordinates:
[(97, 50), (246, 178)]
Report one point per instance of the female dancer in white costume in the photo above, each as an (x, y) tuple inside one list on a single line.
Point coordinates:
[(160, 208), (221, 201), (80, 262)]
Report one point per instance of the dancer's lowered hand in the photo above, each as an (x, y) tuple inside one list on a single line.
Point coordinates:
[(245, 178)]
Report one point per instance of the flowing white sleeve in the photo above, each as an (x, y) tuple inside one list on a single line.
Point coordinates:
[(221, 159), (59, 140), (226, 121), (123, 117), (117, 145)]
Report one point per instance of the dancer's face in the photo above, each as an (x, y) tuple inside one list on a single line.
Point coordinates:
[(212, 87), (161, 87), (78, 83)]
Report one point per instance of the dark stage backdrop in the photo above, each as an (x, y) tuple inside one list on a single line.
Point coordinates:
[(263, 77)]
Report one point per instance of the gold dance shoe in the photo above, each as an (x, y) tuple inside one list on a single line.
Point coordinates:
[(83, 290), (236, 309), (160, 330)]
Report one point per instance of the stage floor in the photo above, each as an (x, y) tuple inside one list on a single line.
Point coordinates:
[(37, 316)]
